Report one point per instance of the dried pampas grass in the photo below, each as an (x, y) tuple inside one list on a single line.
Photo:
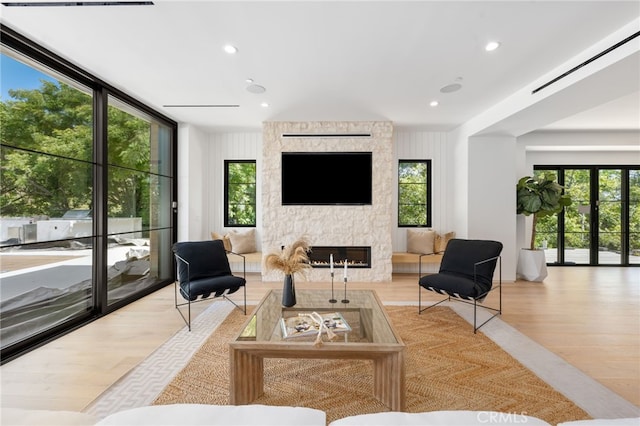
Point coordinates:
[(291, 259)]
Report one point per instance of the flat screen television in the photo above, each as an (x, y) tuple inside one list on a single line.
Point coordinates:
[(326, 178)]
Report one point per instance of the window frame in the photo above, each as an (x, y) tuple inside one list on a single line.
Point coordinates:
[(428, 188), (227, 224)]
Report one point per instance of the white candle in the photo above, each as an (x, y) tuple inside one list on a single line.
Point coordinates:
[(331, 262), (345, 269)]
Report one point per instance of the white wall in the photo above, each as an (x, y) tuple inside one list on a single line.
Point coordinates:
[(192, 189), (492, 196)]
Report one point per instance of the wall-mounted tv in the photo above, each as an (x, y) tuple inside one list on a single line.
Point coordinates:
[(326, 178)]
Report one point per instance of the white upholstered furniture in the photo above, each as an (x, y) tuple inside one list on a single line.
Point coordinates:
[(253, 415), (440, 418), (227, 415)]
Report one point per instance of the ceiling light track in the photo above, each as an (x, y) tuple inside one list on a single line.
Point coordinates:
[(200, 106), (587, 62), (76, 3), (326, 135)]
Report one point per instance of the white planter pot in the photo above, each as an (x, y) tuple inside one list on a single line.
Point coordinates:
[(532, 265)]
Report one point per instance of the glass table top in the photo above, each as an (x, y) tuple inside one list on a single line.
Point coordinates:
[(364, 314)]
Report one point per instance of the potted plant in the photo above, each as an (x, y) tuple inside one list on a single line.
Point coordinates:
[(538, 197), (290, 260)]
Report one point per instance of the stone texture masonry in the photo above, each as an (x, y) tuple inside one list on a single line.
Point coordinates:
[(330, 225)]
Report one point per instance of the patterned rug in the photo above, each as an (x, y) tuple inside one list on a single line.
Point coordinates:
[(447, 368)]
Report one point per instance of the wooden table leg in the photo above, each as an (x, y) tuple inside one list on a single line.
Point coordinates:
[(389, 380), (246, 377)]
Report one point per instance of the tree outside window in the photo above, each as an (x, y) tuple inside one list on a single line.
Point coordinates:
[(240, 193), (414, 193)]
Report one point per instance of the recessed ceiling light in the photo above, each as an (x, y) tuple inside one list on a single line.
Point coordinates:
[(491, 46), (249, 80), (264, 105), (434, 103), (230, 49)]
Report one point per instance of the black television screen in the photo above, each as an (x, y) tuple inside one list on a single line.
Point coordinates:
[(325, 178)]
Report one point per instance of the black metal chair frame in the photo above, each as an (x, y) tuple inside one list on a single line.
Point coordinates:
[(467, 299), (188, 303)]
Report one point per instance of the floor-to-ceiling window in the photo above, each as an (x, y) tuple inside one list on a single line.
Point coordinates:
[(139, 195), (86, 192), (601, 227), (46, 196)]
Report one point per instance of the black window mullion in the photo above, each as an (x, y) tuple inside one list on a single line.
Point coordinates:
[(100, 201), (624, 211)]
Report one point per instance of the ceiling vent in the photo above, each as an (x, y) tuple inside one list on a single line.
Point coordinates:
[(326, 135), (201, 106), (587, 62), (76, 3)]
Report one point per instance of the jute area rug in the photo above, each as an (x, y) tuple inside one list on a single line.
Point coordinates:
[(447, 368)]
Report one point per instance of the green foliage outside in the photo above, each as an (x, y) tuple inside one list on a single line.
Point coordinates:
[(412, 193), (577, 221), (130, 185), (241, 187), (53, 170)]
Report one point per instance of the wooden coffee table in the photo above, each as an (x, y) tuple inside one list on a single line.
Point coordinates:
[(372, 337)]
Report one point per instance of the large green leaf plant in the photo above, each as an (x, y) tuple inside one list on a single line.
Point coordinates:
[(540, 196)]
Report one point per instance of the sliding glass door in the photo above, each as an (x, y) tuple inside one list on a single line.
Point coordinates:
[(139, 196), (602, 226), (87, 185)]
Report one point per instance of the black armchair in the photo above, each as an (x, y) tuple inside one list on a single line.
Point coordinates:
[(466, 274), (203, 270)]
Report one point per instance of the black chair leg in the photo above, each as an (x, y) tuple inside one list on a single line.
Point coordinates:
[(243, 309)]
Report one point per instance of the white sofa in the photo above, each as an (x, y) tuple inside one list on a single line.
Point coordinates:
[(254, 415)]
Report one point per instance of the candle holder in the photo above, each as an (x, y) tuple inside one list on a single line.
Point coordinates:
[(345, 300), (333, 299)]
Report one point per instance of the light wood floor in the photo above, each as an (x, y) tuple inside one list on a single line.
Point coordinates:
[(588, 316)]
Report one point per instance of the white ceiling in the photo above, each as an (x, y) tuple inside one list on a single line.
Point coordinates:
[(330, 60)]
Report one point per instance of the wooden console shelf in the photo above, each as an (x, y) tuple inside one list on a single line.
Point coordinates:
[(413, 258)]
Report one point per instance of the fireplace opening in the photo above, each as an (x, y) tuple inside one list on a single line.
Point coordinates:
[(355, 256)]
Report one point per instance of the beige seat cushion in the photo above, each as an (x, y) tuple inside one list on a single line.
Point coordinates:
[(243, 241), (420, 241), (226, 242), (442, 241)]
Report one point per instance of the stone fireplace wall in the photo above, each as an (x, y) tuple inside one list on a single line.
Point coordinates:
[(330, 225)]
